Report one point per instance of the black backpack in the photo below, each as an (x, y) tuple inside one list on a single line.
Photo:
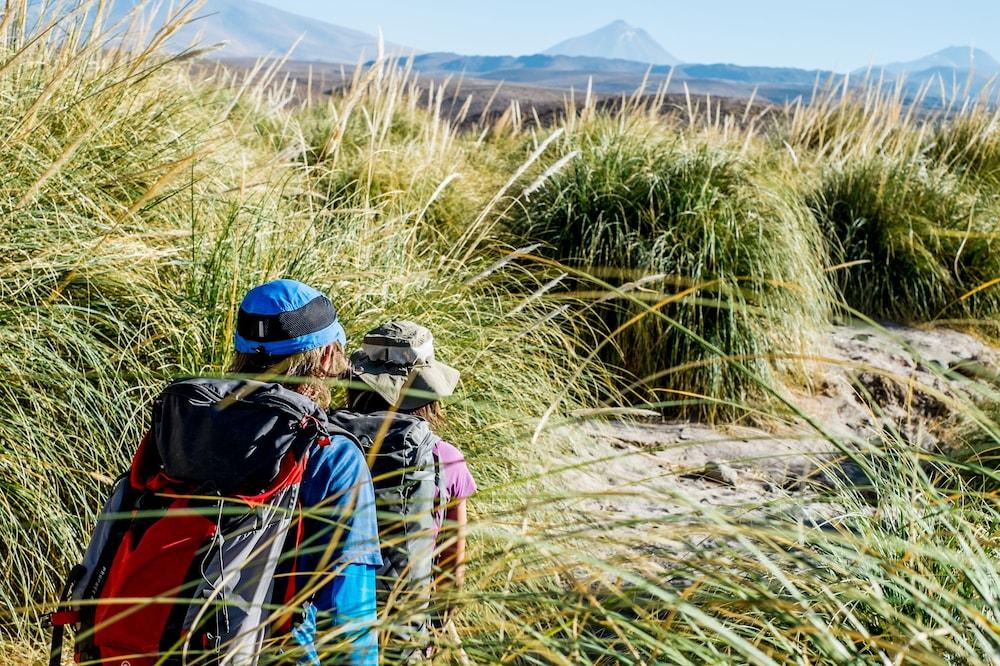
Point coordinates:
[(203, 518), (410, 496)]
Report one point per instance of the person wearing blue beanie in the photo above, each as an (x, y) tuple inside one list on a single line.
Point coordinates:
[(286, 317), (288, 329), (288, 332)]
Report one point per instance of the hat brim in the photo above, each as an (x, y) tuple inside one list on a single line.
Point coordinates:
[(422, 384)]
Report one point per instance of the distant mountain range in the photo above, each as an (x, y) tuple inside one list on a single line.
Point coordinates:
[(501, 66), (614, 59), (616, 41), (951, 72), (959, 58), (248, 29), (618, 76)]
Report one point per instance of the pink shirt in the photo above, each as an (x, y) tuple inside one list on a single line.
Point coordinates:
[(458, 481)]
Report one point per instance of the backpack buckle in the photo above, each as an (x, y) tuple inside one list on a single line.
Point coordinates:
[(311, 424)]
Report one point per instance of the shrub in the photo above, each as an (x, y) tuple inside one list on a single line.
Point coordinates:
[(969, 143)]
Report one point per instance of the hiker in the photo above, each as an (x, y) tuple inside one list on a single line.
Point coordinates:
[(396, 376), (287, 329), (242, 503)]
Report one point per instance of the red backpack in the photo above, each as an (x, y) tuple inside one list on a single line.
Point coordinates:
[(192, 559)]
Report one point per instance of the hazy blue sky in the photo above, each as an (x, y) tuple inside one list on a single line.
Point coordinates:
[(841, 34)]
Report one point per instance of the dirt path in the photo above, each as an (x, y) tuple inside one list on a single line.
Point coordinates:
[(866, 379)]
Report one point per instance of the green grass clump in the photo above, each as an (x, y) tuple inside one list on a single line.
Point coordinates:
[(841, 123), (975, 443), (387, 153), (98, 165), (908, 580), (969, 144), (913, 244), (728, 258)]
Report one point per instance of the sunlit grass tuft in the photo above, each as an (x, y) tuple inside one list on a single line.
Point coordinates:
[(699, 232), (914, 243)]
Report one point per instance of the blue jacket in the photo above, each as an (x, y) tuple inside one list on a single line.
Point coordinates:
[(340, 552)]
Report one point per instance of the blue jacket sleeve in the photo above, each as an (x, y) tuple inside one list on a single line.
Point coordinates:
[(339, 503), (352, 598), (342, 539), (352, 611)]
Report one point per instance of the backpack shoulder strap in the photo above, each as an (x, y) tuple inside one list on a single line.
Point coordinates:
[(441, 506), (365, 429)]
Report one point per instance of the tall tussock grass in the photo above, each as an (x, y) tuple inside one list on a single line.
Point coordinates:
[(905, 193), (910, 580), (969, 144), (614, 260), (136, 218), (729, 257), (915, 243), (96, 143)]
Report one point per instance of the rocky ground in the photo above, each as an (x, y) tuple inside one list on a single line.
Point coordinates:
[(866, 379)]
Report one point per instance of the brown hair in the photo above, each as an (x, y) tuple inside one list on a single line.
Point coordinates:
[(361, 400), (306, 367)]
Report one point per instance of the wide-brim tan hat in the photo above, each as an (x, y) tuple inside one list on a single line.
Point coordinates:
[(397, 362)]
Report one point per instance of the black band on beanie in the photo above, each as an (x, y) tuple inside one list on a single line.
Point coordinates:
[(312, 317)]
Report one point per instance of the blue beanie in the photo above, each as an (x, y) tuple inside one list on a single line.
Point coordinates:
[(286, 317)]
